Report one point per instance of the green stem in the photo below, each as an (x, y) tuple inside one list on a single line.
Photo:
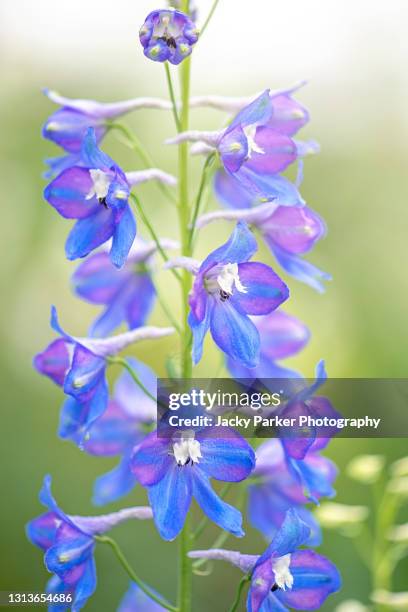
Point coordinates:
[(241, 586), (172, 96), (185, 570), (121, 361), (129, 570), (134, 143), (185, 564), (152, 232), (203, 182), (210, 14)]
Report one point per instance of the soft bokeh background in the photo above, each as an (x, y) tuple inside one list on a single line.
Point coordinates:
[(354, 55)]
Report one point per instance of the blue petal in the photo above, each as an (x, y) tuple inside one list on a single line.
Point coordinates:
[(235, 334), (257, 112), (269, 187), (299, 268), (91, 155), (47, 499), (230, 192), (239, 248), (135, 600), (69, 553), (123, 237), (290, 536), (86, 586), (199, 330), (115, 484), (170, 500), (89, 233), (224, 515)]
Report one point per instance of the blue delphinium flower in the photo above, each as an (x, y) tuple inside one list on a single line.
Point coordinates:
[(120, 428), (135, 600), (168, 35), (282, 336), (68, 543), (68, 125), (302, 447), (127, 294), (276, 489), (96, 193), (79, 366), (176, 470), (283, 577), (255, 150), (289, 231), (227, 289)]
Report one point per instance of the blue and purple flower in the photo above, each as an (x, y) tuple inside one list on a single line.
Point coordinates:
[(68, 544), (127, 294), (175, 470), (78, 365), (283, 577), (168, 35), (289, 231), (135, 600), (282, 336), (227, 289), (95, 193), (120, 429), (254, 150)]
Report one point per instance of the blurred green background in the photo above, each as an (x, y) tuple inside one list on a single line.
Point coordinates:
[(355, 57)]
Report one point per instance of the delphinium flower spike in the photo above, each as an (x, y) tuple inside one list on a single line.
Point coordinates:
[(78, 365), (283, 577), (68, 544)]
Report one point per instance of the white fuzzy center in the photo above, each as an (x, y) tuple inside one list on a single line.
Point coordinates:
[(228, 278), (100, 184), (283, 577), (250, 131), (187, 449)]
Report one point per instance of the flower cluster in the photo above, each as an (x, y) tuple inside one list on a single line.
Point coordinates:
[(236, 299)]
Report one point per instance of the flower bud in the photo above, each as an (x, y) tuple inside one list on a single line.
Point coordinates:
[(333, 515)]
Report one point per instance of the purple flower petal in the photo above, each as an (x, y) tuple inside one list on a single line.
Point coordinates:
[(282, 335), (315, 578), (42, 530), (265, 291), (258, 112), (97, 281), (233, 149), (67, 127), (278, 152), (68, 194), (135, 600), (54, 361), (300, 269), (291, 535), (151, 460), (230, 459), (294, 229)]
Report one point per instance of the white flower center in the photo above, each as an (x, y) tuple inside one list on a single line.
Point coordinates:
[(223, 279), (187, 449), (283, 577), (100, 184), (228, 277), (250, 131)]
